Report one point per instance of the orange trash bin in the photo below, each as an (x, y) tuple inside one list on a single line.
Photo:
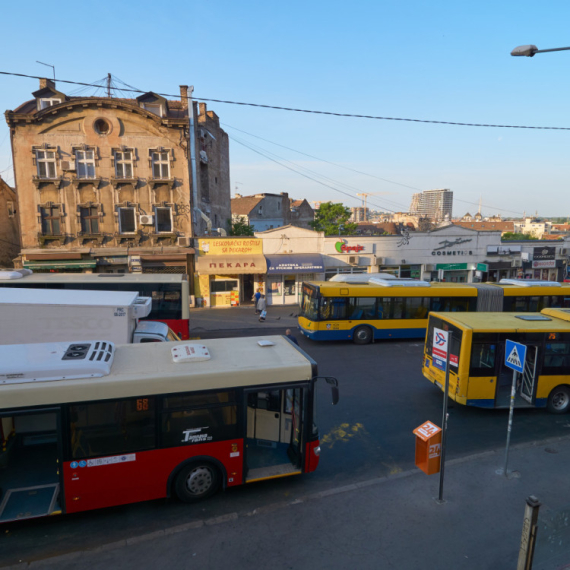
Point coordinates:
[(428, 448)]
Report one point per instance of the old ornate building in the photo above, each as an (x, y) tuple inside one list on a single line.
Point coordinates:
[(106, 183), (9, 229)]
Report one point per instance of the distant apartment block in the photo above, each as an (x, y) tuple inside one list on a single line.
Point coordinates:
[(434, 204), (358, 214)]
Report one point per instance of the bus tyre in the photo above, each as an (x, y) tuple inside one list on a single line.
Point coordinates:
[(197, 481), (362, 335), (559, 400)]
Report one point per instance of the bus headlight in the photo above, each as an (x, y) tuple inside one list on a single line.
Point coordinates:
[(317, 450)]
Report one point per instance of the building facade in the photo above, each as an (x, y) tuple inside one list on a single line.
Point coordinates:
[(301, 214), (103, 180), (435, 204), (262, 211), (9, 226)]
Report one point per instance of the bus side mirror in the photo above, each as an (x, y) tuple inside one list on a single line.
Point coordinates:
[(335, 395), (333, 382)]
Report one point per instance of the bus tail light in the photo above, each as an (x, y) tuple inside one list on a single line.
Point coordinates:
[(317, 450)]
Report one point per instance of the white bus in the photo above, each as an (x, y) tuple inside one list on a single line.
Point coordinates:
[(86, 425)]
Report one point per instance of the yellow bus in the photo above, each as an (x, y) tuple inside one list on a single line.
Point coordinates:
[(477, 373), (363, 308)]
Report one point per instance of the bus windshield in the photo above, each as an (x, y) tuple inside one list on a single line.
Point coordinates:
[(310, 302)]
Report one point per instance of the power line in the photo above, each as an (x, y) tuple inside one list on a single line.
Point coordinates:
[(323, 160), (312, 172), (329, 113), (360, 172), (296, 171)]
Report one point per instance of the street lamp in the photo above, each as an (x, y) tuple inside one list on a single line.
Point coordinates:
[(530, 50)]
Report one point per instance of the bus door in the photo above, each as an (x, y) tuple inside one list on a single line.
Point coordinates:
[(528, 381), (30, 464), (274, 433)]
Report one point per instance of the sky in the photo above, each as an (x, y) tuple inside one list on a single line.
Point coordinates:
[(440, 61)]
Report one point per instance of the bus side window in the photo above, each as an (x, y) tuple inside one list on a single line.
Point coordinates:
[(483, 359), (397, 307), (556, 358), (384, 307), (112, 427)]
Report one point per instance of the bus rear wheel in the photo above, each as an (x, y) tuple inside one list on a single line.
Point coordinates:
[(559, 400), (362, 335), (197, 481)]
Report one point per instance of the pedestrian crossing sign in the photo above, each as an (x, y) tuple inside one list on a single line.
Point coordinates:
[(515, 354)]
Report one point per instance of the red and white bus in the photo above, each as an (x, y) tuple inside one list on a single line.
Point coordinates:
[(170, 292), (86, 425)]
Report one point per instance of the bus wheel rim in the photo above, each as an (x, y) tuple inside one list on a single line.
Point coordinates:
[(560, 400), (199, 480)]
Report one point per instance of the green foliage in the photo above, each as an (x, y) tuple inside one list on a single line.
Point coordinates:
[(239, 228), (515, 236), (330, 217)]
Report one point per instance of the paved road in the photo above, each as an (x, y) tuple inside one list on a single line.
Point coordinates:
[(368, 435)]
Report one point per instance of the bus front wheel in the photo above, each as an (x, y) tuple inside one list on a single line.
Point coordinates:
[(197, 481), (362, 335), (559, 400)]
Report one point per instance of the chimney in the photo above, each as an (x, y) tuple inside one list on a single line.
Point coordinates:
[(45, 82), (184, 96), (203, 109)]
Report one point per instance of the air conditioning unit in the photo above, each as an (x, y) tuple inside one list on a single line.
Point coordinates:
[(183, 242), (68, 165), (353, 259), (516, 263), (146, 220)]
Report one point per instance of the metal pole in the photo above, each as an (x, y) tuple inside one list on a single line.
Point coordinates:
[(444, 418), (528, 538), (510, 427)]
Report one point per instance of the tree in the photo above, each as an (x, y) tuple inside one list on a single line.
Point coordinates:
[(333, 220), (239, 228), (516, 236)]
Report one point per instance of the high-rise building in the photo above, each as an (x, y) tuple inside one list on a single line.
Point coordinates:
[(358, 214), (435, 204)]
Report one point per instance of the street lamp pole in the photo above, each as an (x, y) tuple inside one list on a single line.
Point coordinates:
[(531, 50)]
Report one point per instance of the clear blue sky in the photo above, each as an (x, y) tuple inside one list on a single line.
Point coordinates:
[(439, 60)]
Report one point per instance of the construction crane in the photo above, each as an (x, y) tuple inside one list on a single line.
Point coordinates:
[(365, 197)]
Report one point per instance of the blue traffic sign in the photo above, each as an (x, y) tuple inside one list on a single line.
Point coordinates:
[(515, 354)]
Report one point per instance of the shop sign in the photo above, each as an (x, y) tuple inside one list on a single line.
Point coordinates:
[(544, 264), (451, 266), (482, 267), (443, 249), (222, 246), (347, 247), (540, 253), (232, 265)]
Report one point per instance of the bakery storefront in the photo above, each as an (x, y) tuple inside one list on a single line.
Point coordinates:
[(286, 273), (228, 271)]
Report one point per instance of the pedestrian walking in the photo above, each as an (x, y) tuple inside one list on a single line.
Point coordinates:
[(262, 308), (255, 300), (291, 337)]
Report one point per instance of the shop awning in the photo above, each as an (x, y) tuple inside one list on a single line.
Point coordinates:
[(295, 263), (230, 264), (53, 264)]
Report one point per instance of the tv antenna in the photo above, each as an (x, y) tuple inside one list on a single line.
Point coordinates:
[(48, 65)]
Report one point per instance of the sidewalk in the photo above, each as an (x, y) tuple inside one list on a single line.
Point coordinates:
[(385, 523), (205, 321)]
